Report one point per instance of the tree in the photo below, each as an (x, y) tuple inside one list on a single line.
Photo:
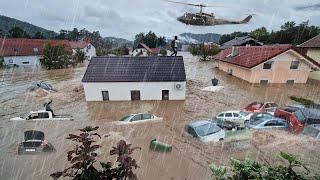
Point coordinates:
[(38, 35), (150, 39), (1, 62), (84, 157), (79, 56), (1, 33), (290, 33), (261, 34), (55, 57), (203, 51), (17, 32), (250, 169)]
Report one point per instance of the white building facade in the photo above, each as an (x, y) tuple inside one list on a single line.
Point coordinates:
[(131, 78), (125, 91), (22, 61), (88, 49)]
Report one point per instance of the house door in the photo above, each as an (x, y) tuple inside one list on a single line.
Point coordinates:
[(165, 94), (105, 95), (135, 95)]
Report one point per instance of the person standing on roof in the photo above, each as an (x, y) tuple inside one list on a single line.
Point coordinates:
[(174, 46)]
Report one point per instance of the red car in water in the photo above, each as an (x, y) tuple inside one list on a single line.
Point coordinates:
[(298, 117), (268, 107)]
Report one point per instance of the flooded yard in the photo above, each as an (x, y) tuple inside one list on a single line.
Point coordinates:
[(189, 158)]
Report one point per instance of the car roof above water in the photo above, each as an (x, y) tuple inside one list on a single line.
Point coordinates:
[(199, 123)]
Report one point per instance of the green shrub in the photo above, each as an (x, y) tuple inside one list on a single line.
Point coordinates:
[(56, 57), (250, 169), (203, 51), (306, 102)]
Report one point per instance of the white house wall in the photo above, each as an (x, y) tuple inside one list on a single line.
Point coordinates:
[(23, 61), (121, 91), (89, 53)]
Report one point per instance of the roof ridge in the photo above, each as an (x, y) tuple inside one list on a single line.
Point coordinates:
[(309, 40)]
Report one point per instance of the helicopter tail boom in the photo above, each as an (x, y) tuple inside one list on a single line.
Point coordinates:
[(247, 19)]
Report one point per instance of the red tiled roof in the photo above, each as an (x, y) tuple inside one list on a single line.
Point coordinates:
[(252, 56), (311, 43), (27, 47), (151, 50), (78, 44)]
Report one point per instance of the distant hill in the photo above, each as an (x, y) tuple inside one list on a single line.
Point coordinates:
[(6, 23), (117, 42), (187, 38)]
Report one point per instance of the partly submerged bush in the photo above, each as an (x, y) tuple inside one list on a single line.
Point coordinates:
[(203, 51), (306, 102), (250, 169), (83, 159)]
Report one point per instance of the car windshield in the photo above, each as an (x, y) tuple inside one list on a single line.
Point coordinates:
[(207, 129), (24, 116), (258, 121), (300, 116), (126, 118), (244, 113)]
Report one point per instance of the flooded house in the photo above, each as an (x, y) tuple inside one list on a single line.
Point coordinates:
[(266, 64), (144, 50), (241, 41), (312, 49), (20, 52), (135, 78), (86, 47)]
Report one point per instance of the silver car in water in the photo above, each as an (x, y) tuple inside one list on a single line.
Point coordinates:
[(205, 130)]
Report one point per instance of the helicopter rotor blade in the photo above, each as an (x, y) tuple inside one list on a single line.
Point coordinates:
[(197, 5)]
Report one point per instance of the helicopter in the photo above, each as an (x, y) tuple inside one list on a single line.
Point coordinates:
[(205, 19)]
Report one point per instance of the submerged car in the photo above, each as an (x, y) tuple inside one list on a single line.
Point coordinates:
[(260, 115), (312, 130), (34, 143), (205, 130), (234, 117), (298, 117), (269, 107), (142, 117), (266, 123)]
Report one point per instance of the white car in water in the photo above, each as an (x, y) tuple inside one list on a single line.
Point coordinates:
[(206, 131), (239, 117), (42, 115), (139, 118)]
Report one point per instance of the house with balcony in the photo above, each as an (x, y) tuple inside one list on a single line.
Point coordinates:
[(135, 78), (312, 49), (266, 64)]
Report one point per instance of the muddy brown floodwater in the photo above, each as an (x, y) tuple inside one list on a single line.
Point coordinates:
[(189, 159)]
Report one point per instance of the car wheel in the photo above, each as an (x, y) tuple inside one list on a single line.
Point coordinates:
[(221, 139)]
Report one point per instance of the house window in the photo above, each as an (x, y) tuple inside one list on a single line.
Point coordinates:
[(294, 64), (268, 65), (25, 62), (105, 95), (264, 82), (135, 95), (165, 94), (290, 82)]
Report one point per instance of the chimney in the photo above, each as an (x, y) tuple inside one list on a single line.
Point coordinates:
[(235, 51)]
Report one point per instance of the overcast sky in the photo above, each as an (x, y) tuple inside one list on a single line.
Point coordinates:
[(125, 18)]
